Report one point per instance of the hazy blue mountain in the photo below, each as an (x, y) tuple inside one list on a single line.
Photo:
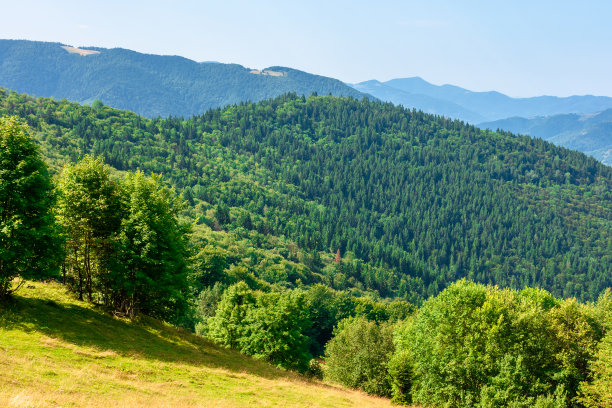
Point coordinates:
[(588, 133), (417, 100), (151, 85), (564, 121), (494, 105)]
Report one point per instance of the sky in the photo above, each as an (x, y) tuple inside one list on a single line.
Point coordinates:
[(521, 48)]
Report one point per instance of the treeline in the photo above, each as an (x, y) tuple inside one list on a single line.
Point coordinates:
[(416, 200), (117, 241), (287, 328)]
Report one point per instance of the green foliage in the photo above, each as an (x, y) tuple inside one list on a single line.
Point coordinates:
[(401, 373), (89, 209), (598, 392), (30, 244), (285, 328), (577, 332), (481, 346), (274, 330), (206, 306), (227, 325), (153, 256), (326, 308), (359, 354), (222, 214), (418, 200), (125, 245), (209, 267), (268, 326)]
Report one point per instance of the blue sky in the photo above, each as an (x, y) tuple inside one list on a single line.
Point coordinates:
[(521, 48)]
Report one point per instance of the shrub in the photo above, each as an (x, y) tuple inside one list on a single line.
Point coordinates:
[(358, 355)]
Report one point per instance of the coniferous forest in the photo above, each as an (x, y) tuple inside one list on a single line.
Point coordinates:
[(455, 266), (417, 200)]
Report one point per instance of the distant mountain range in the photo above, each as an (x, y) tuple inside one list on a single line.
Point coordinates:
[(421, 101), (475, 107), (588, 133), (582, 123), (150, 85), (156, 85)]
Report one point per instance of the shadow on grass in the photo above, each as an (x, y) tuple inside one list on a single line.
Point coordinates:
[(148, 338)]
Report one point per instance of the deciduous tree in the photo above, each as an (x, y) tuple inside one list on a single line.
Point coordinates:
[(30, 245)]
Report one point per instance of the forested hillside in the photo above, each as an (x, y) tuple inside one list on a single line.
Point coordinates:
[(150, 85), (410, 201)]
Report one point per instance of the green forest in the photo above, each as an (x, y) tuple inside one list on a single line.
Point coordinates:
[(410, 200), (456, 267)]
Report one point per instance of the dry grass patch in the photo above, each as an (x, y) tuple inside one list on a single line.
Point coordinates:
[(74, 50), (56, 351)]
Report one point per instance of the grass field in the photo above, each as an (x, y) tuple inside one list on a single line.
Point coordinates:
[(56, 351)]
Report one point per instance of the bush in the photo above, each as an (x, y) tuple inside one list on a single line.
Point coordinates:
[(478, 346), (358, 356), (267, 326), (274, 330), (400, 371), (315, 369)]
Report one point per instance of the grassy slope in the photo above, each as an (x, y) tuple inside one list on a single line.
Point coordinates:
[(58, 351)]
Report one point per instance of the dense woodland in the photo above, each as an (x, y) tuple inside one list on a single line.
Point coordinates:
[(416, 201), (290, 228)]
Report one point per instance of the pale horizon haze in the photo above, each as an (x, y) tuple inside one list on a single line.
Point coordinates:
[(520, 48)]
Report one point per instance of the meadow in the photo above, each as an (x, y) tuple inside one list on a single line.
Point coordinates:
[(56, 351)]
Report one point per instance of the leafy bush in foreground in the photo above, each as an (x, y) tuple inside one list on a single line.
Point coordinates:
[(358, 355), (479, 346)]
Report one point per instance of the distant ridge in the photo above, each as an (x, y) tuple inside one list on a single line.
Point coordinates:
[(495, 105), (150, 85), (474, 107), (588, 133), (421, 101), (573, 122)]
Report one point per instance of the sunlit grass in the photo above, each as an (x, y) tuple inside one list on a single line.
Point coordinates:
[(57, 351)]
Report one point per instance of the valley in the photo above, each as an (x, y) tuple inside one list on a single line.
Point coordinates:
[(195, 212)]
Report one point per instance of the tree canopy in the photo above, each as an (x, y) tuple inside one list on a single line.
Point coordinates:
[(30, 244)]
